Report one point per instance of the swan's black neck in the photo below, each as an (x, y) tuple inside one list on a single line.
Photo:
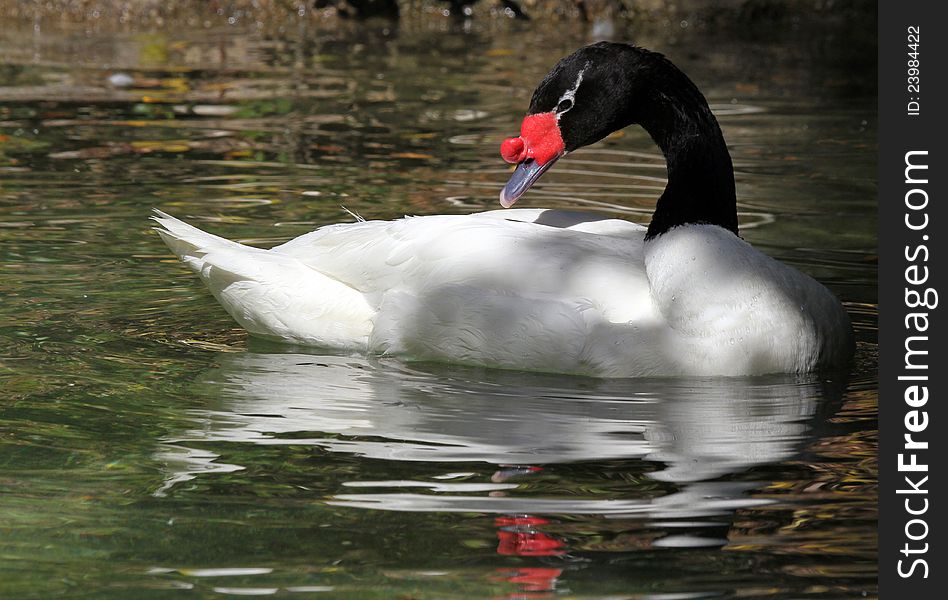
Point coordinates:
[(608, 86), (700, 175)]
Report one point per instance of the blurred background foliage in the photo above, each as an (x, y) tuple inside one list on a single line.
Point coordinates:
[(145, 15)]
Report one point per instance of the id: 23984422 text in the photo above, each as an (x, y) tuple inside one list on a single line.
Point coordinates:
[(912, 73)]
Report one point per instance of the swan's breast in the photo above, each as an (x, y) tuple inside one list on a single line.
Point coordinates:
[(735, 309)]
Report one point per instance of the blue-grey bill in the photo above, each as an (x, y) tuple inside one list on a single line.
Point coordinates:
[(524, 176)]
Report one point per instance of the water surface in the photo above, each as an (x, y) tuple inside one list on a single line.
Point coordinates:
[(148, 448)]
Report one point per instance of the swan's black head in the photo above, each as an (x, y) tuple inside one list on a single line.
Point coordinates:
[(588, 95), (607, 86), (593, 91)]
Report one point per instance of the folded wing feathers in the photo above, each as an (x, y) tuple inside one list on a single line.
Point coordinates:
[(271, 293), (188, 242)]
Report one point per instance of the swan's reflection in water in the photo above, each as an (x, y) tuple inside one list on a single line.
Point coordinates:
[(694, 439)]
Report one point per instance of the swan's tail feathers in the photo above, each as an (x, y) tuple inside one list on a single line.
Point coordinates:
[(269, 293), (189, 243)]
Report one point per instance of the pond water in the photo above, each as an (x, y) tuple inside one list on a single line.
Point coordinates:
[(148, 448)]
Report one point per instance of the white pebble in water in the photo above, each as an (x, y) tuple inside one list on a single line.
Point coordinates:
[(120, 80)]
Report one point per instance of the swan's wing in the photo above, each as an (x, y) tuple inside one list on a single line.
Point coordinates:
[(511, 257), (476, 289)]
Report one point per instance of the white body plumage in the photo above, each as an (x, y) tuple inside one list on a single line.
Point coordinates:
[(528, 289)]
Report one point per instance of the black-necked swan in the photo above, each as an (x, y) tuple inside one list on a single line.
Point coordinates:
[(546, 290)]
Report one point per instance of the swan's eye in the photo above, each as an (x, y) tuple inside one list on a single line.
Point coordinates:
[(564, 105)]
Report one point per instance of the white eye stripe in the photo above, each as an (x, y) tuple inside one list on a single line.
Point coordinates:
[(570, 94)]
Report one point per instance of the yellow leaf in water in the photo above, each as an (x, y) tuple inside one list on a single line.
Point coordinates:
[(412, 155), (160, 146), (178, 84), (499, 52)]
